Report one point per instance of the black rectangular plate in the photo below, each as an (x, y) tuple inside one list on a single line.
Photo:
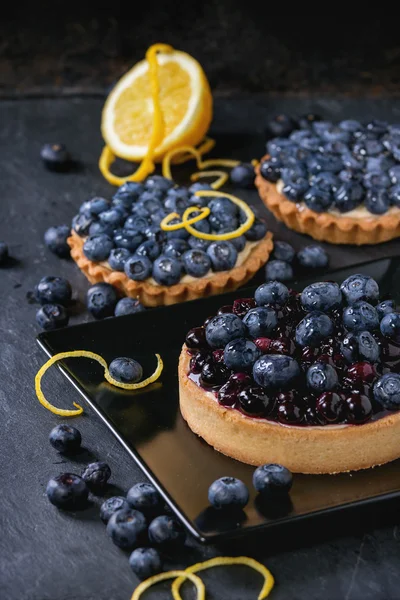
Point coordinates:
[(149, 425)]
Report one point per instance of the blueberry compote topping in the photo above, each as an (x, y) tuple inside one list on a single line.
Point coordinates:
[(297, 359)]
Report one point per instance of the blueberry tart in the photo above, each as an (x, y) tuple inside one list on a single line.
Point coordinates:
[(309, 380), (164, 244), (337, 183)]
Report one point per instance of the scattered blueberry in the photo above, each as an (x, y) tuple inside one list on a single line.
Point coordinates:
[(65, 438), (278, 270), (272, 292), (313, 257), (55, 239), (166, 531), (144, 497), (275, 370), (128, 306), (55, 157), (228, 492), (53, 290), (360, 287), (125, 527), (390, 326), (145, 562), (126, 370), (110, 506), (67, 491), (243, 175), (96, 475), (51, 316), (98, 247), (322, 377), (101, 299), (387, 391), (272, 479), (283, 251)]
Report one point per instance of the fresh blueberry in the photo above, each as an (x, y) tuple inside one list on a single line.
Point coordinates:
[(394, 174), (295, 184), (283, 251), (376, 180), (272, 292), (390, 326), (55, 157), (167, 270), (385, 307), (387, 391), (65, 438), (336, 134), (325, 181), (101, 299), (313, 257), (323, 296), (179, 233), (321, 377), (379, 164), (67, 491), (222, 223), (271, 169), (317, 199), (353, 163), (126, 370), (125, 527), (260, 321), (118, 258), (360, 287), (377, 127), (350, 125), (95, 206), (51, 316), (4, 252), (228, 492), (377, 201), (220, 206), (348, 196), (110, 506), (175, 203), (96, 475), (280, 126), (203, 226), (198, 243), (275, 370), (196, 263), (348, 176), (224, 328), (145, 562), (313, 329), (175, 248), (98, 247), (166, 531), (199, 187), (55, 239), (138, 268), (128, 306), (278, 270), (159, 183), (53, 290), (243, 175), (349, 347), (81, 224), (148, 203), (257, 231), (394, 195), (368, 347), (240, 354), (129, 239), (155, 234), (98, 227), (272, 479), (360, 316), (337, 147), (239, 242), (321, 126), (223, 255), (144, 497), (136, 223), (324, 162), (113, 216), (127, 193)]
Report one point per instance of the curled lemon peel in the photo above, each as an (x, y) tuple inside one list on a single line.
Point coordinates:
[(145, 585), (204, 147), (87, 354), (186, 222), (227, 560), (222, 178)]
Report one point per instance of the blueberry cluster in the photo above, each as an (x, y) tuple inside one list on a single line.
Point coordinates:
[(284, 261), (330, 354), (340, 167), (126, 232)]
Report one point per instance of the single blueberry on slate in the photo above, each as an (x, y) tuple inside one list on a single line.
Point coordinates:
[(166, 531), (138, 268), (240, 354), (224, 328), (280, 126), (98, 247), (272, 479), (360, 316), (101, 299), (144, 497), (128, 306), (275, 371), (118, 258), (228, 492), (96, 475), (67, 491), (272, 292), (360, 287), (313, 256), (55, 239), (55, 157), (243, 175), (321, 377), (110, 506), (125, 527), (65, 438), (52, 316), (126, 370), (53, 290), (283, 251), (387, 391), (145, 562), (278, 270), (390, 326)]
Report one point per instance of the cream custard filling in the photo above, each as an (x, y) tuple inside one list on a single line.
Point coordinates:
[(357, 213)]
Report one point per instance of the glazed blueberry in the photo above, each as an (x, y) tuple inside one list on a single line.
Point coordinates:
[(4, 251), (368, 347), (313, 329), (280, 126), (128, 192), (67, 491), (145, 562), (260, 321), (129, 239), (278, 270), (144, 497), (358, 408), (51, 316), (228, 393), (110, 506), (360, 287), (360, 316), (65, 438), (348, 196), (98, 247), (313, 256), (128, 306), (330, 406), (254, 401), (272, 479), (390, 326), (196, 263), (272, 292), (377, 201), (240, 354), (241, 306), (81, 224), (118, 258), (138, 268), (125, 527), (159, 183), (317, 199), (385, 307), (223, 329), (223, 255), (166, 531), (257, 231), (321, 377), (55, 157), (361, 373), (228, 492), (275, 371), (167, 270), (289, 413), (387, 391), (126, 370), (53, 290), (96, 475), (136, 223), (196, 339), (113, 216), (323, 296), (271, 169), (55, 239), (243, 175), (101, 299), (213, 374), (283, 251), (198, 360)]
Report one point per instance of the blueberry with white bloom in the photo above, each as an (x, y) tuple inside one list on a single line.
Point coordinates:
[(360, 287), (196, 263), (387, 391), (360, 316), (274, 371), (313, 257), (228, 492), (223, 255), (390, 326), (283, 251), (323, 296), (278, 270), (167, 270), (98, 247), (272, 292), (118, 258), (322, 377), (138, 268)]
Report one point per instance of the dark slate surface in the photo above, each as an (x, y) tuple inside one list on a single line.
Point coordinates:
[(49, 555)]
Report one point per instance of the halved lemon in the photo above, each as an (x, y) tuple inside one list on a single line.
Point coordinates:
[(185, 101)]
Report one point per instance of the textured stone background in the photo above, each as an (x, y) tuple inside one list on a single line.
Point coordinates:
[(59, 47)]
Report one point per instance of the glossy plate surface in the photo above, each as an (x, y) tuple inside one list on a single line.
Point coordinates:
[(149, 425)]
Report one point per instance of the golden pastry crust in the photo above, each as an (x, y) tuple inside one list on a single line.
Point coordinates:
[(309, 450), (327, 227), (150, 294)]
